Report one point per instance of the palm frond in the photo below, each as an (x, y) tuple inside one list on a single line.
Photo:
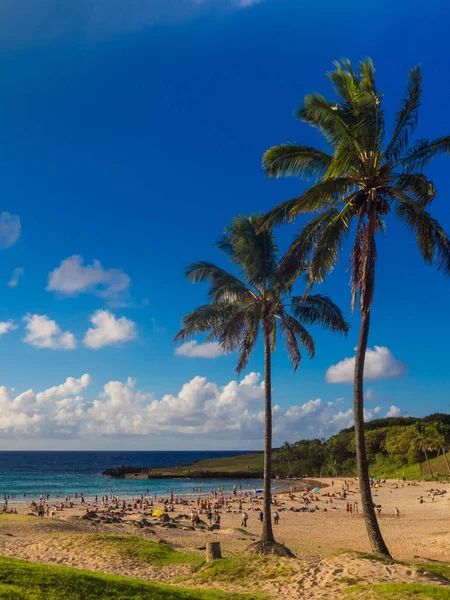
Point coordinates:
[(203, 319), (324, 194), (433, 242), (289, 160), (224, 287), (296, 334), (415, 185), (318, 309), (407, 116), (420, 155)]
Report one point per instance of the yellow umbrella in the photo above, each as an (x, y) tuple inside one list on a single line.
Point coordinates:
[(157, 513)]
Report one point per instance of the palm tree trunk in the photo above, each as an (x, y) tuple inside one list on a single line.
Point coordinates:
[(446, 460), (428, 462), (373, 530), (267, 532)]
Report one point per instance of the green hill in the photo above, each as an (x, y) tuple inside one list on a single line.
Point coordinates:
[(396, 447)]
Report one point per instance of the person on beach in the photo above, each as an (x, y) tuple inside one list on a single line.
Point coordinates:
[(276, 517), (396, 513), (244, 519), (261, 516)]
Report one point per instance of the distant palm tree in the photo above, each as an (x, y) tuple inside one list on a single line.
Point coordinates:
[(361, 180), (259, 300), (288, 454), (424, 442), (440, 441)]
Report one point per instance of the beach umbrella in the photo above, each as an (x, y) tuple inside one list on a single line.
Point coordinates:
[(157, 513), (259, 491), (316, 490)]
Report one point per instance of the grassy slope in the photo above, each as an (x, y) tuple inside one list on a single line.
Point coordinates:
[(21, 580), (398, 591), (141, 550), (228, 464)]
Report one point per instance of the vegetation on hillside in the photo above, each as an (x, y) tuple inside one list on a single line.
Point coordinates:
[(395, 446)]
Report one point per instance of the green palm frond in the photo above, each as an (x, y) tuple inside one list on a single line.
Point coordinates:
[(329, 192), (254, 249), (423, 152), (203, 319), (318, 309), (298, 334), (293, 160), (433, 242), (407, 117), (224, 287), (415, 185)]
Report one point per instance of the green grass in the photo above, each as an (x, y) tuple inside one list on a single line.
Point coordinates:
[(141, 550), (21, 580), (229, 464), (245, 570), (439, 569), (398, 591)]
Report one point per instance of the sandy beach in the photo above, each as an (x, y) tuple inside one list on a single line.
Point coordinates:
[(319, 539)]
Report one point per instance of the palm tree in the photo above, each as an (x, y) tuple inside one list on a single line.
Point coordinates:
[(361, 179), (259, 300), (440, 441), (424, 442), (287, 452)]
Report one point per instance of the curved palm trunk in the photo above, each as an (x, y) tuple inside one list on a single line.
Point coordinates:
[(373, 530), (267, 532)]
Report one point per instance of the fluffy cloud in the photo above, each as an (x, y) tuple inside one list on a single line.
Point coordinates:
[(6, 326), (10, 229), (109, 331), (393, 411), (73, 277), (43, 332), (196, 350), (380, 364), (16, 275), (201, 410)]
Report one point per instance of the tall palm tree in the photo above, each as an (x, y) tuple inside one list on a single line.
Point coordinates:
[(362, 179), (257, 301)]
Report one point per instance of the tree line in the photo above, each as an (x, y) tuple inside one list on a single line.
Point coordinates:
[(391, 445)]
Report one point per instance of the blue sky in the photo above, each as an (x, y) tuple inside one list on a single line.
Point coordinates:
[(132, 132)]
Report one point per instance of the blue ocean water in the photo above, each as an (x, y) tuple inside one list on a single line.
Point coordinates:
[(66, 473)]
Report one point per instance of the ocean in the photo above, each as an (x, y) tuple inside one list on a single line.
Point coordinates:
[(30, 474)]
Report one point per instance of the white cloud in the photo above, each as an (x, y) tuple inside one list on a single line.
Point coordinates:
[(43, 332), (6, 326), (380, 364), (16, 275), (72, 277), (10, 229), (196, 350), (201, 410), (393, 411), (108, 330)]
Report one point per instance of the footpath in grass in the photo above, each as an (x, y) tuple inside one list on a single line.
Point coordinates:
[(21, 580)]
